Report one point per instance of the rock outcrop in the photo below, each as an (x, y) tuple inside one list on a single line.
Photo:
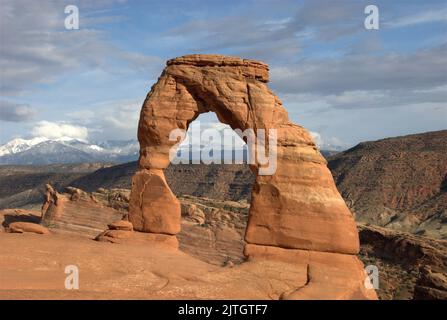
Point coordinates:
[(192, 213), (80, 212), (297, 208), (431, 285), (22, 227), (139, 238), (410, 266)]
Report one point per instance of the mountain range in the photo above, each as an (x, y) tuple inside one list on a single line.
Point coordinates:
[(40, 150), (398, 183)]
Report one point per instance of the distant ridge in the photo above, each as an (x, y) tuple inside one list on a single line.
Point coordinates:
[(398, 182)]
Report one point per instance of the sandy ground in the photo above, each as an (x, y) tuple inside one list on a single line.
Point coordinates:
[(33, 266)]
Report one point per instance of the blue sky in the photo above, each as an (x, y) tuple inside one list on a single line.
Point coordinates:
[(344, 83)]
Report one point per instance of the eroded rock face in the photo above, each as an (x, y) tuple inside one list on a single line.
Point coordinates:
[(431, 285), (80, 212), (297, 207)]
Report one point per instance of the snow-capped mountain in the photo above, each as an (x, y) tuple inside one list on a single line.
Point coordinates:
[(19, 145), (41, 150)]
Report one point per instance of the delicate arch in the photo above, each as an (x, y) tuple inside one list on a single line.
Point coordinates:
[(297, 207)]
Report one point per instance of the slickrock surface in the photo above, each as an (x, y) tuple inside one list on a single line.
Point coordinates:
[(213, 232), (33, 268)]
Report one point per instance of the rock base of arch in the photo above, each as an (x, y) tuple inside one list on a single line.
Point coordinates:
[(328, 276)]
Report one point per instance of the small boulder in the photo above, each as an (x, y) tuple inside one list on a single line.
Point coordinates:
[(21, 227), (75, 193), (108, 235), (121, 225), (192, 213), (137, 238)]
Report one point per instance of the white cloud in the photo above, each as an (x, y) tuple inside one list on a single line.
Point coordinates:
[(55, 130), (421, 69), (317, 138), (36, 49), (419, 18), (110, 120), (328, 143)]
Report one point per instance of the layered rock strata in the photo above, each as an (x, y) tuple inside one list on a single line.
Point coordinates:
[(296, 207)]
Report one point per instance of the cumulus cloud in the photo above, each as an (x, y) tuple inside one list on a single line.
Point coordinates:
[(36, 48), (317, 138), (57, 130), (424, 68), (109, 120), (15, 112), (328, 143), (122, 115)]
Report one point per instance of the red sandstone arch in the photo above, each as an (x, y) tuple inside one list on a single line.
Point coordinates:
[(298, 207)]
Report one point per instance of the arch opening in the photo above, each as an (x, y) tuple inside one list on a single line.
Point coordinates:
[(215, 201), (209, 141)]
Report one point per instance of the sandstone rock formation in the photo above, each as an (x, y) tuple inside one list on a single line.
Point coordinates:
[(138, 238), (21, 227), (409, 266), (121, 231), (50, 200), (83, 213), (192, 213), (298, 207), (121, 225)]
